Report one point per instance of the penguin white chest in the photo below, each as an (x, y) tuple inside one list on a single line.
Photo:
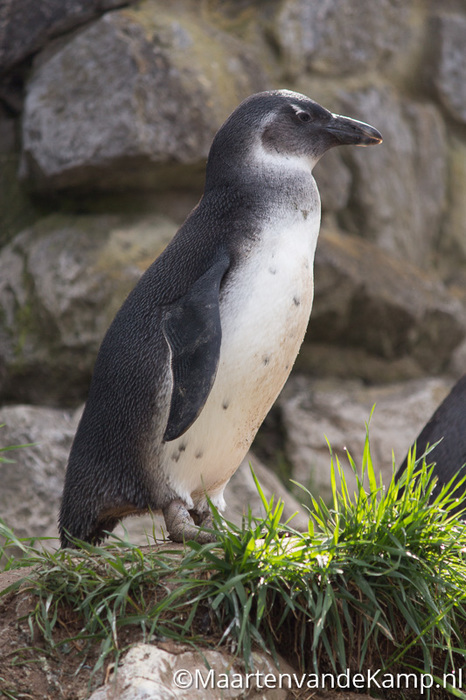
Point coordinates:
[(264, 310)]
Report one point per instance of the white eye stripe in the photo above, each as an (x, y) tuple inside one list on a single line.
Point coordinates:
[(301, 113)]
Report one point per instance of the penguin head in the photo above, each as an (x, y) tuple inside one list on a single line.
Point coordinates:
[(282, 126), (298, 126)]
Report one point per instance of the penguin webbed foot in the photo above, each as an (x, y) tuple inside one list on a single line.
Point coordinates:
[(182, 525)]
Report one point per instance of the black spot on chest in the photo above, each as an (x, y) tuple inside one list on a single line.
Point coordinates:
[(176, 455)]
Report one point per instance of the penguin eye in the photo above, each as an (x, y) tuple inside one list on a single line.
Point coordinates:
[(304, 116)]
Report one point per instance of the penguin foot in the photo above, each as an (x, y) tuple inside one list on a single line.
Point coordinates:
[(181, 526)]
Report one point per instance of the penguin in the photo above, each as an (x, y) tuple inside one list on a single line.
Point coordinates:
[(446, 429), (202, 346)]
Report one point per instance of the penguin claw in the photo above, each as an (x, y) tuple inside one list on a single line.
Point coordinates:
[(203, 527), (181, 526)]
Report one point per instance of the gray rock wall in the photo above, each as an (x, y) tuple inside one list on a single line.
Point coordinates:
[(107, 111)]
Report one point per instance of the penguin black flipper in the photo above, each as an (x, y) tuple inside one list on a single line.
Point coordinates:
[(193, 331)]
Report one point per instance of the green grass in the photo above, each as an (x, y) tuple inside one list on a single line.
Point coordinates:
[(377, 581)]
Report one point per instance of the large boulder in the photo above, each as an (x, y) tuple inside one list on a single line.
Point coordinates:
[(61, 283), (26, 25), (153, 86), (452, 243), (314, 411), (399, 189), (339, 37), (181, 673), (448, 34), (369, 304), (32, 482), (16, 209)]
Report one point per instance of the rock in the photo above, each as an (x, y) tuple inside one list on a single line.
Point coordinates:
[(61, 283), (32, 482), (334, 180), (16, 210), (314, 411), (11, 576), (7, 132), (449, 34), (26, 25), (368, 300), (399, 189), (153, 87), (325, 360), (452, 243), (337, 37), (458, 362), (148, 671)]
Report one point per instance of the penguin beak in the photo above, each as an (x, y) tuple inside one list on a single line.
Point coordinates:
[(352, 132)]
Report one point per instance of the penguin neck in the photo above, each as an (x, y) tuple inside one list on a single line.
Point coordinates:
[(265, 180), (250, 164)]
